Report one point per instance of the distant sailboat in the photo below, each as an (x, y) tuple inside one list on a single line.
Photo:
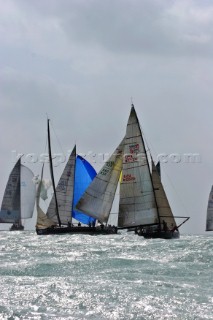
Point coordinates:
[(143, 203), (209, 218), (19, 197), (60, 212)]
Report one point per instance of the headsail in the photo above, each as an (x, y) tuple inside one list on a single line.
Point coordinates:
[(43, 221), (64, 193), (98, 198), (11, 203), (84, 174), (209, 218), (137, 199), (164, 209), (28, 193)]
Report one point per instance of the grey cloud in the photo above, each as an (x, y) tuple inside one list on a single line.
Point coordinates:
[(133, 27)]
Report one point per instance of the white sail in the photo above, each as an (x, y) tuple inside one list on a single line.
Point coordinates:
[(64, 193), (137, 204), (209, 218), (11, 207), (28, 193), (43, 221), (98, 198), (164, 209)]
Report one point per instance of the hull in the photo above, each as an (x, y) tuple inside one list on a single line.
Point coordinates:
[(159, 234), (16, 227), (77, 230)]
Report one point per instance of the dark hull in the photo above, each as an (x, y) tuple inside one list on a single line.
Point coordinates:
[(160, 234), (16, 227), (77, 230)]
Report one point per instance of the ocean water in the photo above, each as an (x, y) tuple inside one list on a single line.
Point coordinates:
[(105, 277)]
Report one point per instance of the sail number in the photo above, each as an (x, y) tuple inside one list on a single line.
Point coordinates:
[(62, 186), (134, 148), (107, 168), (130, 158), (128, 177)]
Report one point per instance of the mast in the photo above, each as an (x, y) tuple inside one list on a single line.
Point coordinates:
[(148, 166), (51, 172)]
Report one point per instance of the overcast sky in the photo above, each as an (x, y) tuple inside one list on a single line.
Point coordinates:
[(81, 61)]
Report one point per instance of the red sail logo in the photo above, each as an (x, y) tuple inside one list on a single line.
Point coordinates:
[(128, 177), (134, 148)]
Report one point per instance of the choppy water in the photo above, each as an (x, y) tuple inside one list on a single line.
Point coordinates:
[(105, 277)]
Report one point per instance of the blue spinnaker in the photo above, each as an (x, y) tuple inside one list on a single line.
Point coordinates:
[(84, 174)]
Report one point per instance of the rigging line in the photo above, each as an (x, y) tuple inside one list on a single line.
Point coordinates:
[(58, 140), (179, 198), (45, 148), (147, 144)]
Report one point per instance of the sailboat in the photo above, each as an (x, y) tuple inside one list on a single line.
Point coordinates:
[(209, 217), (19, 197), (143, 203), (58, 218)]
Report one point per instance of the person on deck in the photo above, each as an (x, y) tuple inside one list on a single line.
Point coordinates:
[(93, 224), (165, 227)]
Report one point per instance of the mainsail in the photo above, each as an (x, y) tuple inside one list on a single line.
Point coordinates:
[(209, 218), (137, 204), (98, 198), (64, 193), (11, 203), (19, 196)]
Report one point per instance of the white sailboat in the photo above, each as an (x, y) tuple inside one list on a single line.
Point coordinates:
[(58, 218), (143, 203), (209, 217), (19, 197)]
